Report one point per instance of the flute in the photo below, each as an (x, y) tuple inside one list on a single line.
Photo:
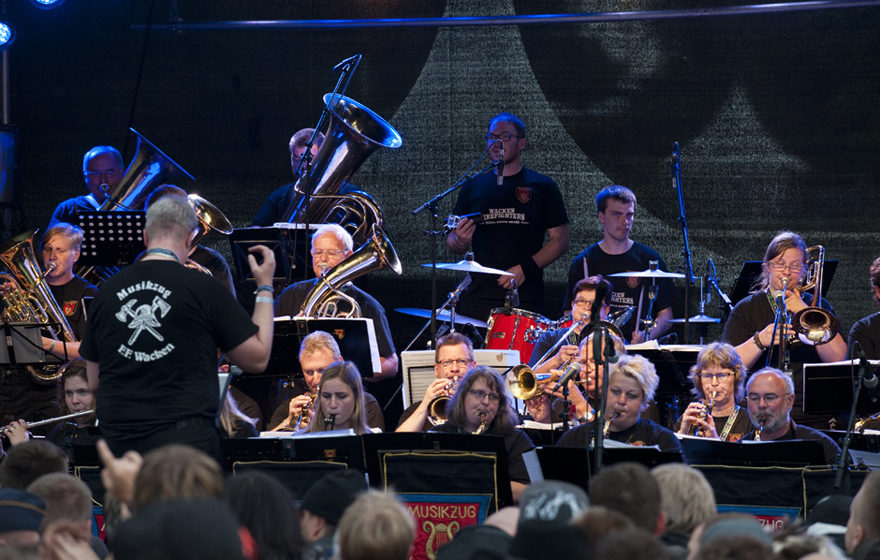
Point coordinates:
[(53, 420)]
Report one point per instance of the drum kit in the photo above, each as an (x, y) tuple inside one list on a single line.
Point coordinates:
[(509, 328)]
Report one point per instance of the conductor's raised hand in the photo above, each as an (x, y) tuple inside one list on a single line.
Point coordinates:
[(261, 260)]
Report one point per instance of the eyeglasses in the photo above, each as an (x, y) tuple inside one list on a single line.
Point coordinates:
[(582, 301), (481, 394), (328, 252), (769, 397), (108, 174), (780, 267), (459, 363), (504, 137), (720, 377)]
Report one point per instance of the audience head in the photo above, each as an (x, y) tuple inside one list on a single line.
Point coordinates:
[(864, 513), (323, 503), (546, 510), (687, 498), (21, 514), (341, 394), (630, 489), (194, 529), (265, 507), (376, 525), (28, 461), (65, 496), (176, 472), (630, 544), (598, 522)]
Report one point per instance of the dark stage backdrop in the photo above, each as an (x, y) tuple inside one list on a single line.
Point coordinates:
[(777, 117)]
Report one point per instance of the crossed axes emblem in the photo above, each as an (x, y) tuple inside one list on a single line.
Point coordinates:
[(144, 317)]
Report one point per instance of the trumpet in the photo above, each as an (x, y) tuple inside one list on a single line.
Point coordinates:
[(29, 425), (525, 384), (438, 411), (611, 417), (483, 424), (707, 409), (304, 417)]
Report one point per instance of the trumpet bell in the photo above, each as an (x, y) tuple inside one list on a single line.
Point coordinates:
[(523, 382)]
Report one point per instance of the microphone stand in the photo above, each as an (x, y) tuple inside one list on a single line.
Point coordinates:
[(600, 336), (451, 302), (686, 249), (304, 167), (433, 232), (843, 462)]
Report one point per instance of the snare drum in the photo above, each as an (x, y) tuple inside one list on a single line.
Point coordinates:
[(516, 329)]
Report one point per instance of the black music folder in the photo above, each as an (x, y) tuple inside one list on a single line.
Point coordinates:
[(780, 453), (356, 339), (289, 243), (828, 388), (572, 464)]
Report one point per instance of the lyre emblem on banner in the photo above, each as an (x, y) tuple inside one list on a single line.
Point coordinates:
[(438, 535), (339, 333)]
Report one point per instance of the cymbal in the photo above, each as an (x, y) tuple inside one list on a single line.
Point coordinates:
[(441, 316), (698, 319), (648, 274), (465, 265)]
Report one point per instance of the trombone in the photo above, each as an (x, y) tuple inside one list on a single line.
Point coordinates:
[(814, 325)]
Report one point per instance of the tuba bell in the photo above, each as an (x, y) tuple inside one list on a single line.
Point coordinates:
[(149, 168), (326, 298), (210, 218), (353, 133), (30, 300), (814, 325)]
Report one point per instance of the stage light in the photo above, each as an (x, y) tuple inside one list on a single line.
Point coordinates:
[(47, 4), (7, 35)]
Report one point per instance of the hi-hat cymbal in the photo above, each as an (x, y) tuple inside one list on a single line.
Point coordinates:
[(697, 319), (465, 265), (648, 274), (441, 316)]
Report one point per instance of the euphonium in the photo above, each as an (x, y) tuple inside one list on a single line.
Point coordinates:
[(353, 133), (324, 299), (31, 300), (814, 325), (210, 217)]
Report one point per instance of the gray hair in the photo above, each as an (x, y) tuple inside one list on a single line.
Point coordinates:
[(172, 216), (336, 230)]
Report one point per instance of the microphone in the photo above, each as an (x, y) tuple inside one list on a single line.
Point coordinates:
[(864, 365), (499, 166), (779, 296), (514, 294), (670, 338), (573, 369), (355, 59)]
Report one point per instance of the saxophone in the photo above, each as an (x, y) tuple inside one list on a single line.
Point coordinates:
[(611, 417), (483, 424)]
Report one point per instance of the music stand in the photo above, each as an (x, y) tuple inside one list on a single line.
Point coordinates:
[(751, 270), (24, 346), (780, 453), (111, 238), (287, 243), (356, 339), (828, 388), (377, 446), (571, 464)]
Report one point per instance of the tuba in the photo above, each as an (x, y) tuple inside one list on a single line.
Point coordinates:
[(31, 300), (149, 168), (814, 325), (324, 299), (353, 133)]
